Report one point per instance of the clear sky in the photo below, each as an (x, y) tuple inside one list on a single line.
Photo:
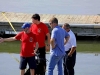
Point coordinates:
[(90, 7)]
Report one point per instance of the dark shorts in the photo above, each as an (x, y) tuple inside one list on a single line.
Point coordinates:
[(30, 60)]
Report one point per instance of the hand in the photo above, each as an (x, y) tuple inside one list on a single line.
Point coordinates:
[(1, 40), (35, 51), (69, 55)]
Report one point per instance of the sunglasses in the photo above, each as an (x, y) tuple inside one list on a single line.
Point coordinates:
[(50, 23)]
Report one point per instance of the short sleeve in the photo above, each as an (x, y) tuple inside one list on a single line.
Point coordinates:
[(18, 36), (73, 41)]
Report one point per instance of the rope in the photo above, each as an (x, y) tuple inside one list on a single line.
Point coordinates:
[(3, 13)]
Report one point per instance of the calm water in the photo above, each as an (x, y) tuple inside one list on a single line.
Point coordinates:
[(86, 64), (51, 6)]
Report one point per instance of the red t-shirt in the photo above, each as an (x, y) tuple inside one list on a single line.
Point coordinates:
[(28, 41), (40, 30)]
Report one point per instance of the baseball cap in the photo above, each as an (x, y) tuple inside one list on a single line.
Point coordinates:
[(26, 25)]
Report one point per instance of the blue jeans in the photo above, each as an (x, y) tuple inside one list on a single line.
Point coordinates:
[(52, 63)]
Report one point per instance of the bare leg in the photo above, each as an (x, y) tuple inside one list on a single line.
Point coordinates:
[(22, 72), (32, 71)]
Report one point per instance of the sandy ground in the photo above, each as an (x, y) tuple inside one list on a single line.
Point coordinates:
[(86, 64)]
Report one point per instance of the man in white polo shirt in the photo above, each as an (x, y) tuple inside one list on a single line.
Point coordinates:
[(70, 48)]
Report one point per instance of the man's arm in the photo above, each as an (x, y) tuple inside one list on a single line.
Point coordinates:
[(36, 47), (72, 51), (48, 41), (73, 43), (9, 39), (48, 38), (52, 42)]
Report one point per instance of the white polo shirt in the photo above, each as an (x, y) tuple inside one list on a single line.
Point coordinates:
[(71, 42)]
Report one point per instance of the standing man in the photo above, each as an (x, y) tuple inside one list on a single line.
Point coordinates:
[(29, 46), (57, 46), (41, 31), (70, 48)]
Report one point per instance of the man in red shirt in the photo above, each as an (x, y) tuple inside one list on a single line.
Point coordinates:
[(41, 31), (29, 46)]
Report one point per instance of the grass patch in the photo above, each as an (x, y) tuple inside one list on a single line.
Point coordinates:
[(12, 47), (88, 46), (82, 46)]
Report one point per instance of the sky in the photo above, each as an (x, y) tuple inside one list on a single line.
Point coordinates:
[(83, 7)]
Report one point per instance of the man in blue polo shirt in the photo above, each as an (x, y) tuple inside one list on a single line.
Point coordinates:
[(57, 46)]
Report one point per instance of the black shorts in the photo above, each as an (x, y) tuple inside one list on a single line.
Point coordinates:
[(30, 60)]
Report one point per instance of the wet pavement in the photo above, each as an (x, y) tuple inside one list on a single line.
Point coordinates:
[(86, 64)]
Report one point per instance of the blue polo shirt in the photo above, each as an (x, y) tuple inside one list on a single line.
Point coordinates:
[(58, 34)]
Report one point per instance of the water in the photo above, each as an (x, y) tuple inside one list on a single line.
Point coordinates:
[(86, 64), (51, 6)]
